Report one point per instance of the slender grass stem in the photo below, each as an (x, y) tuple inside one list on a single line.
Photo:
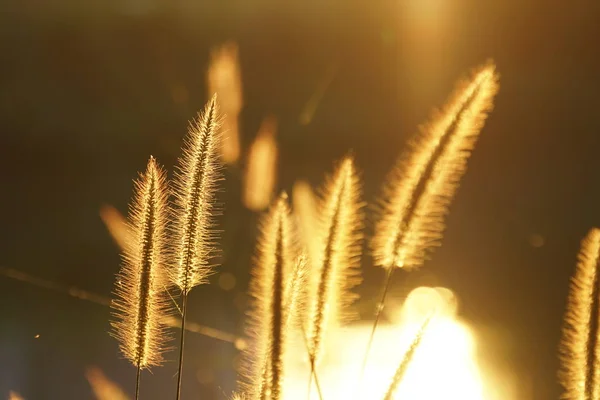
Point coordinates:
[(380, 306), (181, 345), (137, 382), (313, 372)]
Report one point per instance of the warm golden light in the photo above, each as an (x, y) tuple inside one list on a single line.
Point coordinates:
[(261, 167), (102, 387), (444, 365), (224, 78)]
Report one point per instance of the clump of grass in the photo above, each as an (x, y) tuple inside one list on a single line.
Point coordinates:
[(273, 298), (580, 347), (141, 301), (195, 188)]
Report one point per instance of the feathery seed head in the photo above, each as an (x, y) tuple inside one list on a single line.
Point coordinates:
[(141, 300), (270, 289), (406, 360), (420, 188), (195, 187), (580, 345), (334, 270)]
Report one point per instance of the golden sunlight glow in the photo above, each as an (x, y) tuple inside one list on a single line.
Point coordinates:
[(224, 78), (444, 365), (261, 167)]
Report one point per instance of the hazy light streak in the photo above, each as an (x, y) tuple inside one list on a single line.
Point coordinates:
[(224, 78), (82, 294), (261, 167)]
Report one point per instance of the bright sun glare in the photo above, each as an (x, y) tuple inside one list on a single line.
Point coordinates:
[(444, 366)]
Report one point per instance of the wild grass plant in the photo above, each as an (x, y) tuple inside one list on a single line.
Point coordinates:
[(306, 269), (307, 261)]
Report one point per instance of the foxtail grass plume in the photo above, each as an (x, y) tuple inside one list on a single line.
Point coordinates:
[(102, 387), (224, 77), (261, 167), (580, 344), (195, 192), (405, 361), (141, 301), (116, 225), (335, 271), (420, 188), (270, 290), (195, 187)]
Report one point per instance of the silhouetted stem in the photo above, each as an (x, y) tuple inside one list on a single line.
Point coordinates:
[(137, 382), (181, 344), (388, 279)]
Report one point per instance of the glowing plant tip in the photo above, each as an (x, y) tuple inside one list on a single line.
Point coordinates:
[(260, 170), (195, 187), (104, 388), (580, 344), (116, 225), (224, 78), (335, 270), (405, 362), (141, 302), (420, 189), (272, 294)]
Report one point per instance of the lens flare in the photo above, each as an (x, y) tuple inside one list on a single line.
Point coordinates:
[(444, 366)]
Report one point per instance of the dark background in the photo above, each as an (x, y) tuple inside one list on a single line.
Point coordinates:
[(86, 95)]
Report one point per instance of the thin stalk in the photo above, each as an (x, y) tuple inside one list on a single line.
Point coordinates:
[(313, 372), (380, 305), (181, 343), (137, 382)]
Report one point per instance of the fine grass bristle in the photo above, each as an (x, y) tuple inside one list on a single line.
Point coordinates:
[(141, 300), (335, 272), (421, 187), (195, 192), (580, 347), (405, 361), (195, 186), (270, 289)]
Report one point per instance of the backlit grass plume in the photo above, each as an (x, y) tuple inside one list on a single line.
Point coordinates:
[(335, 271), (421, 187), (141, 300), (405, 361), (272, 294), (580, 347), (195, 187)]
